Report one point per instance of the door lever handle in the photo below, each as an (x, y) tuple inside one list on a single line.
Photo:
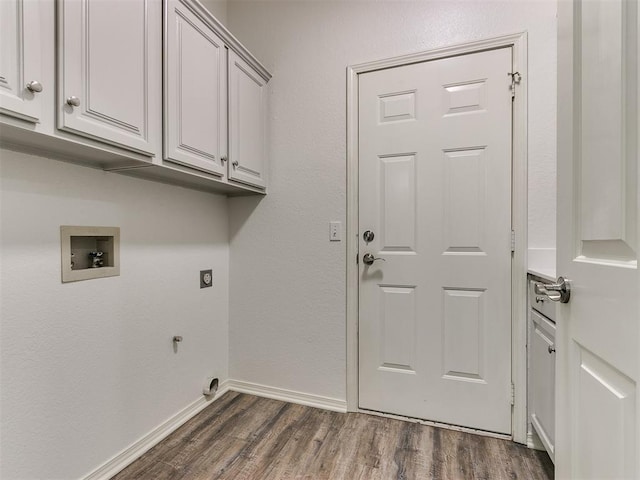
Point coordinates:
[(368, 259), (558, 292)]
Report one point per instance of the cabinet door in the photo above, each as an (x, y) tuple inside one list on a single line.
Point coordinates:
[(195, 91), (542, 379), (20, 65), (247, 123), (109, 71)]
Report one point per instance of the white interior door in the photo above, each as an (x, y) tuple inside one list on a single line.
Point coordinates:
[(435, 190), (598, 339)]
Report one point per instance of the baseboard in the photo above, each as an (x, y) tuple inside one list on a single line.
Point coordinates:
[(137, 449), (310, 400)]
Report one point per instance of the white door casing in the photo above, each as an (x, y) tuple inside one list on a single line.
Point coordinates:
[(20, 59), (195, 91), (598, 334), (435, 188), (108, 60)]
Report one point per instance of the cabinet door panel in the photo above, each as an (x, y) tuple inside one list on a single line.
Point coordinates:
[(542, 379), (20, 59), (195, 92), (109, 60), (247, 121)]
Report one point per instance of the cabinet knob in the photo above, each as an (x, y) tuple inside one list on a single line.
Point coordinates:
[(73, 101), (223, 159), (235, 163), (551, 349), (34, 86)]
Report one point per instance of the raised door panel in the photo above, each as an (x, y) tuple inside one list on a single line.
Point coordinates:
[(247, 123), (20, 60), (109, 72), (195, 92)]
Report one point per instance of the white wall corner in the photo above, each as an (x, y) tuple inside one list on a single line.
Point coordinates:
[(292, 396)]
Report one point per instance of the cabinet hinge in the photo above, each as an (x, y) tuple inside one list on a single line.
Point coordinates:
[(516, 77), (513, 241), (513, 394), (357, 259)]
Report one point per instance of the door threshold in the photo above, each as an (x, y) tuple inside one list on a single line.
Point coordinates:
[(457, 428)]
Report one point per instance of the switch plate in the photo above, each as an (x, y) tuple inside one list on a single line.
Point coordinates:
[(335, 231), (206, 278)]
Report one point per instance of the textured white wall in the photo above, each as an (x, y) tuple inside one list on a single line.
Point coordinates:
[(87, 368), (287, 281), (218, 8)]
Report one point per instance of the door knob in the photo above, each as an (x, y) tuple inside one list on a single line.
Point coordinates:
[(368, 259), (73, 101), (558, 292), (368, 236), (34, 86)]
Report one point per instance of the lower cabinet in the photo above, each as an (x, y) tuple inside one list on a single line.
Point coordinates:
[(542, 364), (541, 369)]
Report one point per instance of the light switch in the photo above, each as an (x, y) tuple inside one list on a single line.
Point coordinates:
[(335, 231)]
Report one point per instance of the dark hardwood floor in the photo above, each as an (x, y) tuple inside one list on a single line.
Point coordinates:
[(243, 437)]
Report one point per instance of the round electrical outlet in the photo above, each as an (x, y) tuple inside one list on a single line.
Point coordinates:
[(206, 278)]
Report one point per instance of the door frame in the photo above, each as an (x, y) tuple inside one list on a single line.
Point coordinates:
[(518, 43)]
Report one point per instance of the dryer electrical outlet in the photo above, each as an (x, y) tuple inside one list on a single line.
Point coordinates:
[(206, 278)]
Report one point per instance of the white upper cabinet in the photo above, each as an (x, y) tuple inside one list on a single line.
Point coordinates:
[(109, 71), (195, 92), (20, 60), (247, 123), (106, 83)]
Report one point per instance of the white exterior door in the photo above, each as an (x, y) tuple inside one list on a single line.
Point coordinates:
[(247, 123), (435, 190), (598, 334), (195, 92), (109, 71), (20, 61)]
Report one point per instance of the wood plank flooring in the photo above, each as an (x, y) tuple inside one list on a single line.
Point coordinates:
[(243, 437)]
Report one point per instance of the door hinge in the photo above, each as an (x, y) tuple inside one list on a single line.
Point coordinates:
[(516, 77), (513, 394), (513, 241)]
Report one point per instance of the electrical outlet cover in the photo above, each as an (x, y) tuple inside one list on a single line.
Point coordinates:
[(206, 278)]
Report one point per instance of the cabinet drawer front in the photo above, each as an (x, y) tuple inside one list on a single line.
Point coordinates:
[(542, 303), (20, 61), (195, 92), (247, 122), (109, 60)]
